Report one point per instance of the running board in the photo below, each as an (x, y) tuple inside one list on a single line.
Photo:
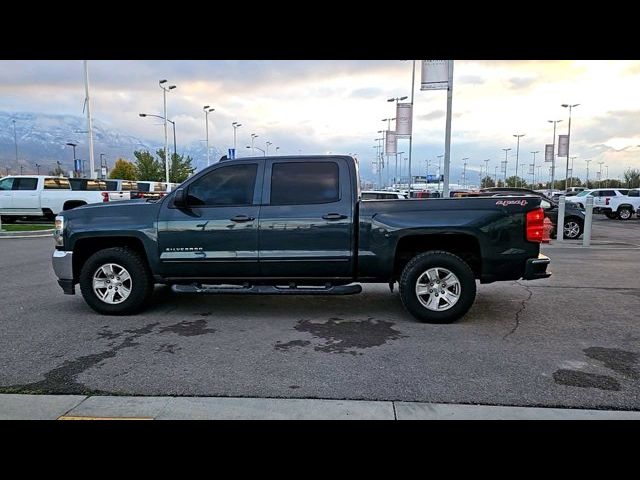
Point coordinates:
[(268, 290)]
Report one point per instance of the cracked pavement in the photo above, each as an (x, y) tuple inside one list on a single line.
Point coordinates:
[(571, 340)]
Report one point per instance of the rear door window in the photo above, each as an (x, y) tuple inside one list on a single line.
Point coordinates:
[(25, 184), (56, 184), (304, 183)]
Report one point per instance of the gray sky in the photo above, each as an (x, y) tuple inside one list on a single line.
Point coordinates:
[(337, 106)]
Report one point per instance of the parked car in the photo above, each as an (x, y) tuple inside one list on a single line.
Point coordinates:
[(573, 216), (624, 207), (382, 195), (601, 198), (41, 196), (91, 185), (295, 226)]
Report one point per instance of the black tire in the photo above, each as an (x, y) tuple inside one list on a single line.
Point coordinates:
[(625, 213), (415, 269), (578, 223), (612, 215), (141, 281)]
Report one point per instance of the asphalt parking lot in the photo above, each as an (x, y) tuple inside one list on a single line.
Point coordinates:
[(572, 340)]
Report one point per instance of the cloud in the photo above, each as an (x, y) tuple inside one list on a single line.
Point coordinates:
[(371, 92), (521, 83), (436, 114), (471, 80)]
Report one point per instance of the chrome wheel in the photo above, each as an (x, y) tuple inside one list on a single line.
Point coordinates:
[(571, 229), (438, 289), (625, 214), (112, 283)]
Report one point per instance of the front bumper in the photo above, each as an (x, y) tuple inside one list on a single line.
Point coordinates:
[(537, 268), (63, 267)]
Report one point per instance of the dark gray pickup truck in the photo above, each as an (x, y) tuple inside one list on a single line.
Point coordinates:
[(296, 226)]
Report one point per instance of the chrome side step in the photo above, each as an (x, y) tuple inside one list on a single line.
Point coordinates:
[(268, 289)]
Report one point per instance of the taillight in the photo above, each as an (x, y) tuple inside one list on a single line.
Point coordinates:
[(535, 225), (105, 196)]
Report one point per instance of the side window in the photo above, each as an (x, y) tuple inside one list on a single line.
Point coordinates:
[(369, 196), (56, 184), (25, 184), (624, 191), (112, 185), (144, 187), (634, 193), (608, 193), (229, 185), (6, 184), (304, 183)]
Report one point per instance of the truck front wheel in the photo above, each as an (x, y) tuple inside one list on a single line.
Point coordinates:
[(437, 287), (116, 281)]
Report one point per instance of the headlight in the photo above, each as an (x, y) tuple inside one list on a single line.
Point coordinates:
[(59, 229)]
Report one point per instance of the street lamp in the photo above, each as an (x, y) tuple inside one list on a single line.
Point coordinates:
[(72, 145), (553, 158), (518, 153), (268, 143), (173, 124), (253, 137), (38, 168), (587, 184), (506, 150), (235, 126), (600, 175), (264, 154), (464, 172), (166, 138), (277, 148), (207, 110), (570, 107), (533, 179)]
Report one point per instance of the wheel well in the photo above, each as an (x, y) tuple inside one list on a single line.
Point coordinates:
[(70, 204), (85, 247), (626, 205), (464, 246)]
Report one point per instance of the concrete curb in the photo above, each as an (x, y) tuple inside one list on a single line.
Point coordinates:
[(78, 407), (27, 234)]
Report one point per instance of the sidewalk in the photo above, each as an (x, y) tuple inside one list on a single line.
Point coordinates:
[(78, 407)]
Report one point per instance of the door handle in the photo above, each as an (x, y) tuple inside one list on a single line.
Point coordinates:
[(334, 216), (242, 218)]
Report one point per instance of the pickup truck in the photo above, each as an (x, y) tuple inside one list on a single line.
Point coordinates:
[(296, 226), (40, 195)]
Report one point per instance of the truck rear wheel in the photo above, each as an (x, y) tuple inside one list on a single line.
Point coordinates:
[(625, 213), (437, 287), (116, 281)]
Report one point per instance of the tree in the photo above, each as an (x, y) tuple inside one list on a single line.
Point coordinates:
[(180, 168), (487, 182), (632, 178), (124, 170), (148, 167), (514, 181)]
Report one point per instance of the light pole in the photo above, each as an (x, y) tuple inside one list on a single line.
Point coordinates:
[(268, 143), (518, 135), (533, 179), (570, 107), (277, 148), (600, 175), (495, 175), (397, 99), (15, 139), (263, 152), (103, 164), (38, 168), (207, 110), (253, 137), (486, 166), (571, 170), (553, 159), (587, 184), (606, 181), (439, 170), (166, 138), (72, 145), (235, 126), (464, 172), (173, 124), (506, 150)]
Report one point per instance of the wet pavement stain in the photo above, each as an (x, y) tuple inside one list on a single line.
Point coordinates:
[(167, 348), (63, 379), (291, 344), (189, 329), (575, 378), (342, 336), (107, 334), (620, 361)]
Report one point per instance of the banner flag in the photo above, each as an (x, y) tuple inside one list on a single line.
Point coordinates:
[(435, 75)]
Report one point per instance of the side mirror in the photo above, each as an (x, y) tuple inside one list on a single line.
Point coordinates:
[(180, 198)]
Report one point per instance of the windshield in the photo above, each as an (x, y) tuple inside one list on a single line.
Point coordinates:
[(583, 193)]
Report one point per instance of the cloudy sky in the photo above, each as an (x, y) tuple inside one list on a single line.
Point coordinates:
[(337, 106)]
